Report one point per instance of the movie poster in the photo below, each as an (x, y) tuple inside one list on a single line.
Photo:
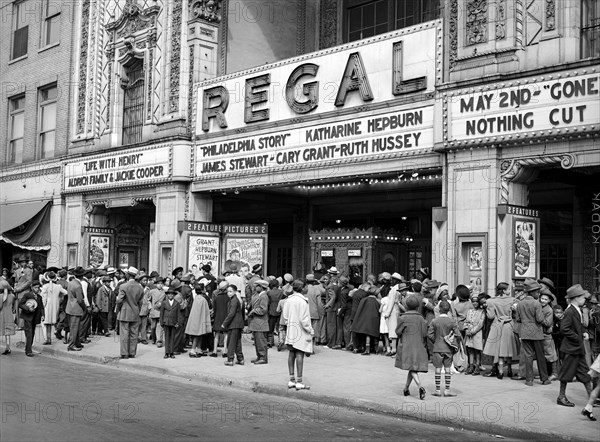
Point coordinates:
[(243, 253), (203, 250), (99, 251), (525, 250)]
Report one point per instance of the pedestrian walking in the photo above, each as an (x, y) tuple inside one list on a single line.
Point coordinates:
[(129, 302), (7, 313), (411, 351), (594, 373), (299, 334), (170, 320), (574, 364), (439, 329), (234, 324)]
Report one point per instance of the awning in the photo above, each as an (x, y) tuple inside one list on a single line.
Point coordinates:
[(26, 225)]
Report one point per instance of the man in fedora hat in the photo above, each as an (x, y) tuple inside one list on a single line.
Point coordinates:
[(531, 321), (334, 324), (129, 302), (574, 363), (258, 321), (75, 308)]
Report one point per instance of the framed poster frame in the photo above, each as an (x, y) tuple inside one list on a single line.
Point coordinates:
[(227, 260), (525, 236), (106, 240), (210, 252)]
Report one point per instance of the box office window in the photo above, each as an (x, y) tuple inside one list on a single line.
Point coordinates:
[(364, 19), (47, 121), (16, 127), (20, 33)]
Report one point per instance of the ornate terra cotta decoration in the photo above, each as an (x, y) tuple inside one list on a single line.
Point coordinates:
[(209, 10), (329, 23), (175, 56), (550, 15), (501, 20), (477, 21), (515, 170), (453, 33), (83, 60)]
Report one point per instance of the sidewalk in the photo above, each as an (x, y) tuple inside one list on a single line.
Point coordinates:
[(370, 383)]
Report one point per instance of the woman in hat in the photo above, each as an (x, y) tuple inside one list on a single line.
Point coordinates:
[(7, 313), (198, 323), (546, 300), (501, 343), (412, 352), (51, 296)]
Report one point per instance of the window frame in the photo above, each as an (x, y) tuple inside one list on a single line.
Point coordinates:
[(587, 25), (11, 153), (41, 131), (18, 12), (46, 18)]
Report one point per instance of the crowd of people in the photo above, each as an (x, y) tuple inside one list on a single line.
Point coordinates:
[(417, 322)]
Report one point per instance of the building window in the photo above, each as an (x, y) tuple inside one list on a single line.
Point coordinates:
[(368, 18), (51, 25), (590, 28), (17, 129), (21, 31), (47, 123), (133, 104)]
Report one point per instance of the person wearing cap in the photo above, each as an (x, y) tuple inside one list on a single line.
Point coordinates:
[(23, 279), (51, 292), (170, 320), (145, 308), (185, 299), (250, 281), (531, 320), (546, 301), (574, 364), (296, 314), (32, 313), (212, 281), (102, 301), (75, 308), (129, 302), (316, 307), (258, 321)]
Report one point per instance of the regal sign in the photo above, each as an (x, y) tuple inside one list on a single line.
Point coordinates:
[(373, 71), (556, 104), (126, 168)]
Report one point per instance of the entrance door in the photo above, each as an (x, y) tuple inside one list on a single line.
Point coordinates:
[(128, 257)]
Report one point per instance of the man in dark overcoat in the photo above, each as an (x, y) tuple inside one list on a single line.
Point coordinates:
[(129, 302), (574, 363)]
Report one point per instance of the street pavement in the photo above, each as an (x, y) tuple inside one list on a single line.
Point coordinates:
[(45, 399), (366, 383)]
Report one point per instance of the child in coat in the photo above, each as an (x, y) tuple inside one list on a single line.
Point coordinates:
[(170, 319), (439, 328), (282, 325), (474, 335)]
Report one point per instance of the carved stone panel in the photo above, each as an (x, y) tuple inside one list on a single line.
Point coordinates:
[(477, 22)]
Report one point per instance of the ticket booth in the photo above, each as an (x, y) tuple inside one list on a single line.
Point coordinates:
[(356, 253)]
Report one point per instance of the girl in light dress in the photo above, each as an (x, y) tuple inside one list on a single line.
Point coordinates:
[(383, 325), (474, 335)]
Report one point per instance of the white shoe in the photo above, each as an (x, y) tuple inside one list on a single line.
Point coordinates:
[(300, 386), (291, 384), (325, 346)]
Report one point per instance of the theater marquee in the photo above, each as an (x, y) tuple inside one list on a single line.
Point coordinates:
[(558, 104)]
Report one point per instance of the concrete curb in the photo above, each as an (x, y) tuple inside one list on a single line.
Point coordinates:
[(405, 411)]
